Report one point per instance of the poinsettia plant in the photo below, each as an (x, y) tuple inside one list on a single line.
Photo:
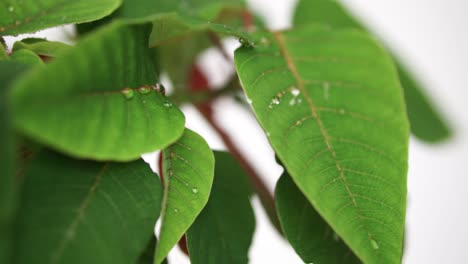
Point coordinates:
[(336, 107)]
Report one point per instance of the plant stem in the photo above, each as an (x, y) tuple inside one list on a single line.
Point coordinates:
[(260, 188)]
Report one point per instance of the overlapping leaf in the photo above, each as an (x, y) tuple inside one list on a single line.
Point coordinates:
[(41, 47), (26, 57), (426, 123), (223, 231), (310, 235), (95, 101), (86, 212), (24, 16), (332, 106), (188, 167), (8, 195)]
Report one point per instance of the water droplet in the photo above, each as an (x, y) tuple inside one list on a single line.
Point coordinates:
[(195, 190), (268, 134), (11, 8), (176, 210), (299, 101), (342, 111), (295, 92), (167, 104), (128, 93), (275, 100), (292, 102), (374, 244), (159, 88), (245, 42), (144, 89), (249, 101)]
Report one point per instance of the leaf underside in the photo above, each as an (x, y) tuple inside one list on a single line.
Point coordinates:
[(26, 16), (332, 106), (426, 122), (307, 232), (86, 212), (223, 231), (88, 103), (188, 167)]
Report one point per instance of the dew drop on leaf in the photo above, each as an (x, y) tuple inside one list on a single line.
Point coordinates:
[(176, 210), (195, 190), (167, 104), (127, 93), (11, 9), (144, 89), (374, 244), (295, 92)]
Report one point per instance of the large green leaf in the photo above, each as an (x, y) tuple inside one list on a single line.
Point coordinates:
[(8, 72), (86, 212), (41, 47), (332, 106), (311, 237), (426, 123), (188, 169), (223, 231), (94, 101), (24, 16)]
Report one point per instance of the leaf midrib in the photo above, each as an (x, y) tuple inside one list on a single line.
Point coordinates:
[(279, 38), (67, 238)]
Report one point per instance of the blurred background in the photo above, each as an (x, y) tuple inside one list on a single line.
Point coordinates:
[(430, 37)]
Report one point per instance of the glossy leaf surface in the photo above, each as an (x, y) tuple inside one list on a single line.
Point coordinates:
[(86, 212), (25, 16), (96, 102), (426, 122), (332, 106), (188, 167)]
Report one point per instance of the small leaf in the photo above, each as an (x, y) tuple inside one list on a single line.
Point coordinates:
[(25, 16), (26, 57), (426, 122), (188, 167), (86, 212), (8, 194), (96, 101), (332, 105), (41, 47), (312, 238), (223, 231)]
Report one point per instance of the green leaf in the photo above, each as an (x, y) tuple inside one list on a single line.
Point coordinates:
[(426, 122), (332, 106), (172, 27), (26, 57), (86, 212), (223, 231), (41, 47), (188, 167), (8, 195), (147, 10), (93, 101), (310, 235), (3, 55), (25, 16)]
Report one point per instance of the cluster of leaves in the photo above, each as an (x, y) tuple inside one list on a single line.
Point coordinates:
[(75, 121)]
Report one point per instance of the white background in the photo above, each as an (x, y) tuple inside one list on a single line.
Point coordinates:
[(431, 35)]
